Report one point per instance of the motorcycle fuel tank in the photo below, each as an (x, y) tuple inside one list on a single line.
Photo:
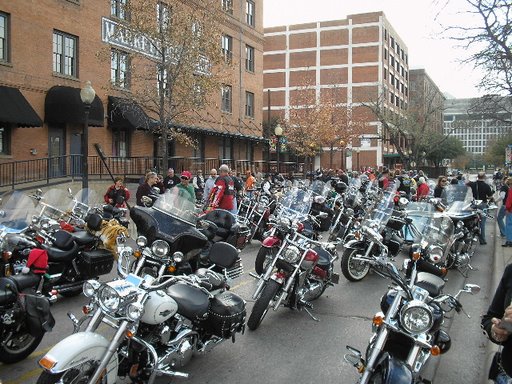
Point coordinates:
[(158, 308)]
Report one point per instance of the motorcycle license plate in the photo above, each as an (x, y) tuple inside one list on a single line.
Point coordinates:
[(335, 278)]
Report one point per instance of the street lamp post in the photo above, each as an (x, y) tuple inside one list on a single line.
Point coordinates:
[(87, 94), (278, 131), (358, 151), (342, 146)]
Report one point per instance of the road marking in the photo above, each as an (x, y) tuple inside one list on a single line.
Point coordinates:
[(25, 377)]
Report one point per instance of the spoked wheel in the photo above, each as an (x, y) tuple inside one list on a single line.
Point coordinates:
[(264, 259), (18, 344), (262, 305), (353, 270), (77, 375)]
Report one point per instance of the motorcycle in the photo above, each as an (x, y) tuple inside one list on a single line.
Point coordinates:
[(160, 323), (25, 314), (299, 273), (407, 331), (256, 212), (377, 233), (172, 224)]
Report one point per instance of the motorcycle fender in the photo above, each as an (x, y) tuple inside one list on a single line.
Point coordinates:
[(355, 244), (394, 371), (278, 278), (79, 348), (271, 241)]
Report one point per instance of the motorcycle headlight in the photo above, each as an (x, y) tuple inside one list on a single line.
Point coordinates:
[(134, 311), (109, 299), (284, 222), (142, 241), (90, 287), (416, 317), (291, 254), (435, 253), (160, 248)]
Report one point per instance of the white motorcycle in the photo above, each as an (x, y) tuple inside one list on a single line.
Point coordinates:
[(159, 323)]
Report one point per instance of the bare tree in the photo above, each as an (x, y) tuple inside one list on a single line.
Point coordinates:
[(176, 62)]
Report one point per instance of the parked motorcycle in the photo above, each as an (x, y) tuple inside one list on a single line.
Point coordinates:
[(172, 225), (24, 311), (407, 331), (159, 322), (299, 273), (377, 234)]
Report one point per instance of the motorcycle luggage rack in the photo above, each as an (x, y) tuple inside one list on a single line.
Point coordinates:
[(235, 271)]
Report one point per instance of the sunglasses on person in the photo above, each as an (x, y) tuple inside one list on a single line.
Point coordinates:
[(184, 178), (444, 181)]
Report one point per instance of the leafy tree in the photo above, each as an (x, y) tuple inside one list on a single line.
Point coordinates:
[(177, 62), (495, 153), (447, 147)]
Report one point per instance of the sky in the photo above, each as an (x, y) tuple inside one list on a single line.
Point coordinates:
[(418, 23)]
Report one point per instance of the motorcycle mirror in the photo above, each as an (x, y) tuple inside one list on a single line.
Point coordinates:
[(178, 256), (472, 288), (156, 190)]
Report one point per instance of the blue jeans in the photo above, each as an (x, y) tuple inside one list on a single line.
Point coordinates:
[(502, 378), (508, 226), (500, 218), (483, 220)]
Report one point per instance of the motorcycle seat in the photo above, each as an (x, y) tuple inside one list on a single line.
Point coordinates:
[(432, 283), (59, 255), (21, 281), (83, 237), (192, 302), (225, 222), (223, 254)]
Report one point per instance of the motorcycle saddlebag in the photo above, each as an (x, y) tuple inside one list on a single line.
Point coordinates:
[(39, 318), (95, 263), (226, 314)]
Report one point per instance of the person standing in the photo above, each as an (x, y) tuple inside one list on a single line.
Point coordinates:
[(502, 196), (185, 189), (250, 184), (481, 191), (208, 185), (171, 180), (117, 195), (384, 179), (423, 189), (145, 190), (198, 184), (493, 324), (239, 186), (442, 181), (508, 217), (223, 193)]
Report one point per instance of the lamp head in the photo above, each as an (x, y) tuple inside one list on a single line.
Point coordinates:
[(278, 131), (87, 93)]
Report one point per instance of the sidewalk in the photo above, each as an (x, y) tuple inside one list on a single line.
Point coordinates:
[(502, 257)]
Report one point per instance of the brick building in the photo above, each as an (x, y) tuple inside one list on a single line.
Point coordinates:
[(361, 55), (426, 98), (48, 50)]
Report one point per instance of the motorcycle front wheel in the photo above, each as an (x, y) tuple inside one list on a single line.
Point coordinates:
[(262, 305), (76, 375), (18, 344), (264, 259), (353, 270)]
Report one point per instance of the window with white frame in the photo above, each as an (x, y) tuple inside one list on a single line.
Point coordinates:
[(5, 134), (249, 58), (118, 9), (120, 143), (249, 104), (4, 37), (227, 47), (250, 12), (65, 54), (119, 69), (227, 97)]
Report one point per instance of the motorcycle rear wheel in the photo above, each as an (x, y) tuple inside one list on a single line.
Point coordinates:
[(77, 375), (352, 269), (262, 305), (264, 259), (18, 345)]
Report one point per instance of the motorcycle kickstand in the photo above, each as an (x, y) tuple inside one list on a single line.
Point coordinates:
[(307, 305), (310, 314)]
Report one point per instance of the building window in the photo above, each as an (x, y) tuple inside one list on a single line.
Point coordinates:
[(5, 134), (224, 148), (385, 74), (392, 61), (199, 95), (198, 150), (385, 53), (227, 6), (4, 37), (118, 9), (392, 98), (249, 12), (227, 96), (65, 54), (120, 143), (385, 34), (119, 69), (249, 104), (249, 58), (227, 48)]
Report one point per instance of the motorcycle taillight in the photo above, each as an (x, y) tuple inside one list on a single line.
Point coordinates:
[(6, 255), (300, 227), (322, 273), (311, 255)]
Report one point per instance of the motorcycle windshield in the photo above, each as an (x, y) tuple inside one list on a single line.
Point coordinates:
[(319, 188), (379, 215), (295, 204), (458, 198), (16, 212), (437, 229), (83, 200), (54, 204), (174, 204)]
